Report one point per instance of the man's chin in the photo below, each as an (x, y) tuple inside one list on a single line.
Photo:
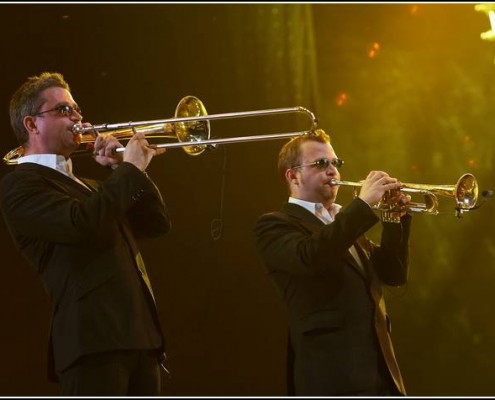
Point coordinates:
[(78, 139), (331, 194), (73, 147)]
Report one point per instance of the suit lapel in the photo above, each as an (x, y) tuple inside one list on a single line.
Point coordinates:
[(91, 184), (303, 216), (314, 225), (381, 317), (361, 246)]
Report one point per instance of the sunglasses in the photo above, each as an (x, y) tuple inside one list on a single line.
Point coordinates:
[(64, 110), (323, 163)]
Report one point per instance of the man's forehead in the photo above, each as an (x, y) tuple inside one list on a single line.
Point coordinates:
[(57, 94), (316, 147)]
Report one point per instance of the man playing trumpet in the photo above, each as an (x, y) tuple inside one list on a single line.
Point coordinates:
[(330, 275)]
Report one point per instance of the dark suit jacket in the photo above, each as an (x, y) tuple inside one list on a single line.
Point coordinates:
[(82, 243), (333, 316)]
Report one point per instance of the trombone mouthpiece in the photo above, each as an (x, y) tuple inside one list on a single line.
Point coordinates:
[(77, 129)]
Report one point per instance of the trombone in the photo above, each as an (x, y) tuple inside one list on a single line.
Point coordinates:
[(464, 193), (190, 127)]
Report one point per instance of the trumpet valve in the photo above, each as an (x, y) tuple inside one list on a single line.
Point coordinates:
[(389, 216)]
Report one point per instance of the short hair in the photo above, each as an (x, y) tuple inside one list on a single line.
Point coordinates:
[(290, 154), (27, 100)]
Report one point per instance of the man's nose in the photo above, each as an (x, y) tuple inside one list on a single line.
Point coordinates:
[(76, 116), (331, 169)]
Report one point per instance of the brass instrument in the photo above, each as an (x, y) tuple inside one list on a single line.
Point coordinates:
[(464, 193), (190, 126)]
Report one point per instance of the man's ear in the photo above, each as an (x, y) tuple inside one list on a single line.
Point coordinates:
[(291, 177), (30, 124)]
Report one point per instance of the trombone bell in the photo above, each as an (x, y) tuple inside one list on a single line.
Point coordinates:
[(195, 131), (191, 126)]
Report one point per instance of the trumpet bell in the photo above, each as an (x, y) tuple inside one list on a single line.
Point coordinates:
[(195, 131), (466, 192)]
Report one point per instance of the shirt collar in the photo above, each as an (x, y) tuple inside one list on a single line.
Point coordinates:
[(54, 161), (311, 207)]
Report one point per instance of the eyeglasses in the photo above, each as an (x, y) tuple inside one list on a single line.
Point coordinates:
[(323, 163), (64, 110)]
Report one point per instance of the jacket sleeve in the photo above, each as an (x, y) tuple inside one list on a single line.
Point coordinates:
[(390, 260), (149, 217), (286, 244)]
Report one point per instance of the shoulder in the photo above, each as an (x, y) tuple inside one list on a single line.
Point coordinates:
[(13, 177), (274, 215), (30, 170), (30, 179), (276, 221), (288, 213)]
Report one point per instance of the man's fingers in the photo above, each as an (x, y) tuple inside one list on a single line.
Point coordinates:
[(160, 150)]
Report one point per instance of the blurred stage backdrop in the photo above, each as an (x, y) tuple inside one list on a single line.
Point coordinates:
[(405, 88)]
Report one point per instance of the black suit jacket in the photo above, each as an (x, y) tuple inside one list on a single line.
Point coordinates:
[(338, 327), (82, 243)]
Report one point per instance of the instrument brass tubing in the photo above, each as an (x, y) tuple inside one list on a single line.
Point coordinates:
[(464, 192), (226, 140), (78, 129), (192, 132)]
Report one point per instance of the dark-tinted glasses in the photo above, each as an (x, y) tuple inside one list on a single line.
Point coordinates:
[(323, 163), (64, 110)]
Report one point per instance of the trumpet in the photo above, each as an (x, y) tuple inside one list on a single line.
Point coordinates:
[(190, 127), (464, 193)]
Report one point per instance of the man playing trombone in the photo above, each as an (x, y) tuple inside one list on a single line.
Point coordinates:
[(330, 275), (80, 235)]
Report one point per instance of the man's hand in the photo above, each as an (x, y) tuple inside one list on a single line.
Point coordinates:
[(104, 150), (376, 184), (139, 152)]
